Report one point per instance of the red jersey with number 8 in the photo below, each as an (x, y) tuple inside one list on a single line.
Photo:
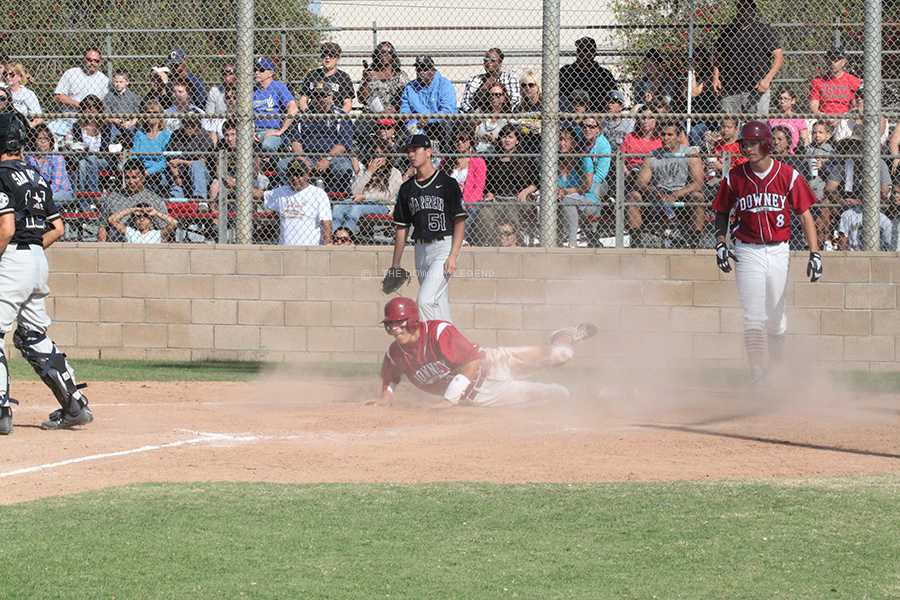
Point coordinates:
[(763, 202)]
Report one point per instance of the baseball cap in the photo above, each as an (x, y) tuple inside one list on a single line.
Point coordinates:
[(616, 96), (264, 62), (297, 168), (331, 49), (586, 43), (835, 53), (386, 122), (424, 63), (418, 141), (176, 57)]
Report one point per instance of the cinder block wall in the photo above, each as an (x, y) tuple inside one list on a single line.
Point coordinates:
[(288, 304)]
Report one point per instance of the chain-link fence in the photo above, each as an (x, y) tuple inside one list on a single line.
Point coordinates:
[(134, 111)]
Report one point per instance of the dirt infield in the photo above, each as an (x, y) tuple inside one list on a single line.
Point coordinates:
[(281, 431)]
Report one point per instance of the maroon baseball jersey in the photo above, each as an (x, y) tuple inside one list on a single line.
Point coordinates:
[(432, 363), (763, 203)]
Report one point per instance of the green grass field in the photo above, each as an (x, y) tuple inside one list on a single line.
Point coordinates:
[(815, 539), (832, 539)]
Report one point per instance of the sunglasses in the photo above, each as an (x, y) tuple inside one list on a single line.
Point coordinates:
[(328, 55), (497, 94), (529, 84), (594, 126), (229, 72), (341, 239), (10, 74), (95, 61), (489, 60)]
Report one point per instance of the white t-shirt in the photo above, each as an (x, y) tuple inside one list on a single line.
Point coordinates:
[(301, 213), (26, 102), (151, 236), (851, 226), (76, 84)]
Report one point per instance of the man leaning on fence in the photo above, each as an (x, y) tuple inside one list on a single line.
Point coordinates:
[(135, 193), (304, 210)]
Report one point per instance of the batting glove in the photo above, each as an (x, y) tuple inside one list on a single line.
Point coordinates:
[(814, 267), (723, 254)]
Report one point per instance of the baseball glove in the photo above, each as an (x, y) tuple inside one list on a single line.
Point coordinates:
[(394, 279)]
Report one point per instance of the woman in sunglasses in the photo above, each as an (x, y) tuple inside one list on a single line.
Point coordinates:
[(24, 100), (489, 129), (342, 237)]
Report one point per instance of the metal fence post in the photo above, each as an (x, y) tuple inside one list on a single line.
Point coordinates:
[(222, 173), (374, 35), (282, 47), (620, 200), (871, 158), (108, 50), (244, 171), (549, 122)]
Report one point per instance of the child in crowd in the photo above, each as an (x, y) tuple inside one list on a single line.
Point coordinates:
[(140, 228), (724, 152), (817, 153), (796, 126)]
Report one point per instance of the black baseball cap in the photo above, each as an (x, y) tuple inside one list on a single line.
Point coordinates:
[(835, 53), (418, 141)]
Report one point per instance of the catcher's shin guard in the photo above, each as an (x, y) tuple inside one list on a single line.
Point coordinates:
[(6, 423), (52, 367)]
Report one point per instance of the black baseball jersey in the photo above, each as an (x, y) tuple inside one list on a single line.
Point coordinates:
[(431, 207), (24, 192)]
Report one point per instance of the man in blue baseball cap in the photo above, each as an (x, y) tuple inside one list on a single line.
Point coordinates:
[(270, 99)]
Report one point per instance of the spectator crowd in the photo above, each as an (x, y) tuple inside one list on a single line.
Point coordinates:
[(329, 173)]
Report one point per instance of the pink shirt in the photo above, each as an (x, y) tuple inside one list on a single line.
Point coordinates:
[(795, 125), (473, 188), (834, 94), (633, 144)]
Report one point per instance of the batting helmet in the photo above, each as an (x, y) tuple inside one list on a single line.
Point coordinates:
[(757, 131), (12, 132), (402, 309)]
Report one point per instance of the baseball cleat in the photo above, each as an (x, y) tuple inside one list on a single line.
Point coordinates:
[(573, 335), (60, 420)]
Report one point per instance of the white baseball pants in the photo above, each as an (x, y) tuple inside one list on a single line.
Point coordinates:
[(434, 286), (761, 272), (500, 388)]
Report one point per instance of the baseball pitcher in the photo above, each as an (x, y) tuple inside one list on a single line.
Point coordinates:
[(29, 223), (763, 193), (439, 360)]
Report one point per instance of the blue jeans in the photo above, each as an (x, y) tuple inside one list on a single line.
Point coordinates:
[(89, 172), (268, 144), (348, 215), (199, 181)]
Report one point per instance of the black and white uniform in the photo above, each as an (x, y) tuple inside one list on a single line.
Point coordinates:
[(431, 207), (23, 281)]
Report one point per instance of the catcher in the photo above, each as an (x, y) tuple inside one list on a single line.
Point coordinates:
[(439, 360)]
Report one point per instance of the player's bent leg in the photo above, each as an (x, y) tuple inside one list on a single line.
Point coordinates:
[(57, 374)]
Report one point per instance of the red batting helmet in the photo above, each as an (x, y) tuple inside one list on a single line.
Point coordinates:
[(757, 131), (402, 309)]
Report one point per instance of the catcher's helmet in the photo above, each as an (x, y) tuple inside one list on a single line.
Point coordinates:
[(757, 131), (402, 309), (12, 132)]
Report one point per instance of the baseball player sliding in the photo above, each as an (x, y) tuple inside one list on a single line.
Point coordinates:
[(763, 193), (431, 203), (30, 222), (439, 360)]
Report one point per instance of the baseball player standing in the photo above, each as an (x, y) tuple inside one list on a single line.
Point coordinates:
[(431, 203), (763, 193), (439, 360), (29, 223)]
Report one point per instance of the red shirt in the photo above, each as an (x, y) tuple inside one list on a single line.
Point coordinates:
[(763, 205), (734, 149), (433, 362), (633, 144), (834, 94)]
